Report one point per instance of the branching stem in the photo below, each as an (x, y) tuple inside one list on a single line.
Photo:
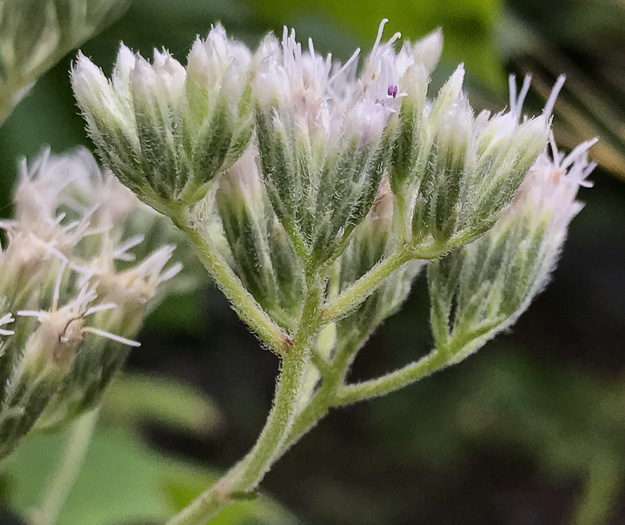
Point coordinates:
[(247, 474), (242, 301)]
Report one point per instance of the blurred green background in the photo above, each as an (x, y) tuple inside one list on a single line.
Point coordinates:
[(531, 430)]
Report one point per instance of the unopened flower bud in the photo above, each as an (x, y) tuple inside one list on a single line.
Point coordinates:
[(165, 130), (428, 50), (261, 251)]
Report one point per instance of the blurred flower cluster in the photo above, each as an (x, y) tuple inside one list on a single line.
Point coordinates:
[(76, 280), (35, 34)]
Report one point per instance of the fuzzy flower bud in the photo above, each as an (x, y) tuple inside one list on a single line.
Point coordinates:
[(482, 288), (167, 131), (130, 291), (261, 251), (453, 172), (428, 50), (45, 361), (321, 137)]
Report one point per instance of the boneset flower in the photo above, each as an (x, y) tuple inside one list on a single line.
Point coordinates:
[(453, 172), (45, 361), (321, 140), (316, 227), (493, 280), (167, 131), (260, 248), (71, 321)]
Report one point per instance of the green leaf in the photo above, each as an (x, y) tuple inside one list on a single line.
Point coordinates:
[(134, 398), (123, 481)]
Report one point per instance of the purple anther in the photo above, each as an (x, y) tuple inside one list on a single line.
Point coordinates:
[(392, 91)]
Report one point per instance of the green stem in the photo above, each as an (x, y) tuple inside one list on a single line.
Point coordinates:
[(242, 301), (367, 284), (325, 397), (65, 474), (380, 386), (247, 474)]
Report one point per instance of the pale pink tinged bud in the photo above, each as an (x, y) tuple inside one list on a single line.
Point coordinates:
[(428, 50), (243, 176), (367, 120), (272, 85)]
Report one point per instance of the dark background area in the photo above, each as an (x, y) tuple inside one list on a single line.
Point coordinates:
[(531, 430)]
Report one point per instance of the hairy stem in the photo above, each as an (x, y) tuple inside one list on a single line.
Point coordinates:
[(380, 386), (63, 477), (247, 474), (368, 283), (242, 301)]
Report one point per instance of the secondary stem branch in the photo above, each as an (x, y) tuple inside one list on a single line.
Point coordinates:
[(242, 301), (367, 284), (432, 362)]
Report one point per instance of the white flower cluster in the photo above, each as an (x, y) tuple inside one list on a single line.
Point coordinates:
[(296, 147), (165, 130), (72, 293)]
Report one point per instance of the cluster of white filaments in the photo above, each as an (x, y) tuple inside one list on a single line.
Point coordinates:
[(329, 99), (69, 229), (66, 323), (551, 185)]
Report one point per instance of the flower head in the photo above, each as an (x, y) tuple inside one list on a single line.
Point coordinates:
[(167, 130), (484, 287), (321, 135), (452, 171)]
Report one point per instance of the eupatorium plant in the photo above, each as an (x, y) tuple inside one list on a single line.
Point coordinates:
[(72, 292), (333, 185)]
